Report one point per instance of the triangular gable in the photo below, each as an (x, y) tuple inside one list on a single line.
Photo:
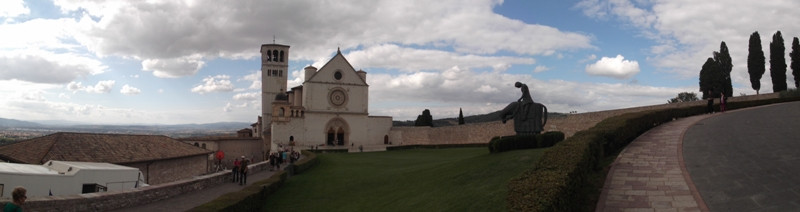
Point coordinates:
[(338, 62)]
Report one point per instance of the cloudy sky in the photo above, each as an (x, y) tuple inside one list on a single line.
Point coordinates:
[(197, 61)]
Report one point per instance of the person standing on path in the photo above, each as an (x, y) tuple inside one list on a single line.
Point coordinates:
[(710, 105), (243, 171), (722, 102), (236, 165), (18, 197)]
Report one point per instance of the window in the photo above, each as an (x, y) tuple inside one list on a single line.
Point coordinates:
[(337, 75), (204, 145), (269, 55), (196, 144), (274, 72), (268, 72), (281, 56), (275, 55), (280, 73)]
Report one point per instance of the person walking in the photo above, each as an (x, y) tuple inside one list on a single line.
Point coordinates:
[(236, 165), (18, 198), (722, 102), (243, 171)]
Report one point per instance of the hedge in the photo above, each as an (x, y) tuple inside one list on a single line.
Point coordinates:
[(553, 184), (514, 142), (251, 198), (310, 160)]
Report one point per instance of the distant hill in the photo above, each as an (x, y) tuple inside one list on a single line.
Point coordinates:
[(13, 123), (489, 117), (16, 129)]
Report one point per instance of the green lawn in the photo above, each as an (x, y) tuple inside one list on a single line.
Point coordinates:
[(455, 179)]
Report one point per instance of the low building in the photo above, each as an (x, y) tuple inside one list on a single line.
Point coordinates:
[(68, 177), (161, 159)]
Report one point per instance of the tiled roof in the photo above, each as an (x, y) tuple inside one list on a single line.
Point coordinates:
[(90, 147)]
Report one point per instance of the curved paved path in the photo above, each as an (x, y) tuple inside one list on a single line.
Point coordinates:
[(742, 160), (747, 160), (648, 175)]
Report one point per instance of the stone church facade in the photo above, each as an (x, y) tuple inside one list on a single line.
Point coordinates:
[(330, 108)]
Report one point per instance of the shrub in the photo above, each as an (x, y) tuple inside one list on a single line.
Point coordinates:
[(508, 143)]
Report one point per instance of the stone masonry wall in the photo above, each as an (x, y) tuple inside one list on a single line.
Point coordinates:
[(569, 125), (169, 170), (105, 201)]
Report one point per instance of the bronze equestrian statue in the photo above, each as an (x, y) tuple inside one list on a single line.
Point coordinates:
[(529, 116)]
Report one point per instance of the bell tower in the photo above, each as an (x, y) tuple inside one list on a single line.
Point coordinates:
[(274, 76)]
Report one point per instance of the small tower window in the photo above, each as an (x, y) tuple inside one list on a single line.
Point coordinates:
[(269, 55), (268, 72), (280, 73), (275, 55), (281, 56), (274, 72), (204, 145)]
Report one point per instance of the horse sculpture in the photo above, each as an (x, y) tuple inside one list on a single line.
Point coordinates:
[(529, 116)]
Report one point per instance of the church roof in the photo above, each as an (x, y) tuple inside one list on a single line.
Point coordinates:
[(91, 147), (336, 57)]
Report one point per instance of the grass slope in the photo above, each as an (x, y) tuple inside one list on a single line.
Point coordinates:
[(456, 179)]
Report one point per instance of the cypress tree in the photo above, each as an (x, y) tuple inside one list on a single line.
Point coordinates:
[(723, 57), (795, 55), (777, 63), (755, 61), (460, 117), (710, 79)]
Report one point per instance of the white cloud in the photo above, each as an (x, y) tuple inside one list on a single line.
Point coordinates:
[(101, 87), (409, 59), (247, 96), (540, 69), (616, 67), (178, 29), (129, 90), (219, 83), (173, 67), (46, 67), (255, 79), (13, 8)]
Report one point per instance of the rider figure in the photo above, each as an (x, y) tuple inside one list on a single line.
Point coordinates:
[(526, 95)]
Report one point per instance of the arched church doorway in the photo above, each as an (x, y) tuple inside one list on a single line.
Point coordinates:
[(337, 132)]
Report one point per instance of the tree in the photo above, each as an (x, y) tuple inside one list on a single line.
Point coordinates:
[(755, 61), (425, 119), (710, 79), (795, 55), (684, 97), (723, 58), (777, 63), (460, 117)]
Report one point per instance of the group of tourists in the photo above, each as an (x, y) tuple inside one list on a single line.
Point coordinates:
[(240, 170), (710, 99), (281, 157)]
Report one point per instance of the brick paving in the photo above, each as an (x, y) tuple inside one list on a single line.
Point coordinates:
[(650, 175)]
